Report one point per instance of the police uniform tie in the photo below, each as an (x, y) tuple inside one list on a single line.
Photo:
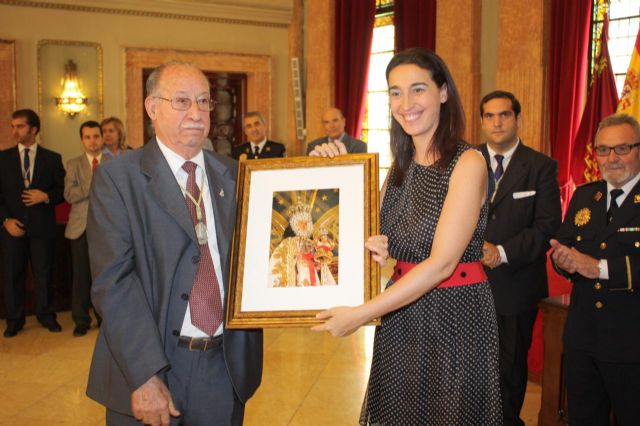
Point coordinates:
[(205, 302), (613, 207), (256, 151), (499, 171)]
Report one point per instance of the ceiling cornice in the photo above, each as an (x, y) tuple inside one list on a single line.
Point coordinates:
[(261, 14)]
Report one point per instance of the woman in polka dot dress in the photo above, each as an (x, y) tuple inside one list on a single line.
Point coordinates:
[(435, 359)]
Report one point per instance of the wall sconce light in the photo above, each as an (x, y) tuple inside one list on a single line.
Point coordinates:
[(71, 101)]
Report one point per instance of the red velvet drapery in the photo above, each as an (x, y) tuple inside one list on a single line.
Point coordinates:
[(568, 56), (354, 32), (415, 23), (602, 101)]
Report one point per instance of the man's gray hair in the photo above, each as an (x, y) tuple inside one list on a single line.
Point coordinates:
[(154, 78), (254, 114), (618, 119)]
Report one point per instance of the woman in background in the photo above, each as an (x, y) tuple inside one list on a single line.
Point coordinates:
[(435, 358), (114, 137)]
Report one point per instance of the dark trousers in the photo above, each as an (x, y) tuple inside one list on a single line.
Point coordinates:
[(515, 340), (17, 252), (201, 390), (81, 285), (594, 388)]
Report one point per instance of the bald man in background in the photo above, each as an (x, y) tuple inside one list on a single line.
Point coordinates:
[(334, 123)]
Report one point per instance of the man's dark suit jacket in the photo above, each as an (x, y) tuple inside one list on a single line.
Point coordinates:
[(353, 145), (270, 150), (524, 215), (144, 257), (48, 176), (604, 315)]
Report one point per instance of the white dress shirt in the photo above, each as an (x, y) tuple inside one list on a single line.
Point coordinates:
[(505, 163), (32, 159), (259, 145), (175, 163)]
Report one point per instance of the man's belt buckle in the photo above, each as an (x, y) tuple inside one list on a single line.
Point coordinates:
[(196, 340)]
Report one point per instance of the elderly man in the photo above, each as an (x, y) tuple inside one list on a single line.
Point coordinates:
[(159, 228), (336, 141), (255, 129), (598, 247)]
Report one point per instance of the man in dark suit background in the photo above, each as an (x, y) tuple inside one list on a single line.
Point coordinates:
[(255, 129), (31, 185), (336, 140), (159, 227), (524, 213), (598, 248)]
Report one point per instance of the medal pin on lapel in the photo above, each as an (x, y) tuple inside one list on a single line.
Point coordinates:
[(636, 199), (598, 196), (221, 192)]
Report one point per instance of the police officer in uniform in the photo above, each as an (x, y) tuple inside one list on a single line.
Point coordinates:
[(598, 248), (258, 146)]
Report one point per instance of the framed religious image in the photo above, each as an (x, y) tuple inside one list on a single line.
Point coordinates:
[(298, 246)]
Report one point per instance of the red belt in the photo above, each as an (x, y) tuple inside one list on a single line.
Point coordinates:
[(467, 273)]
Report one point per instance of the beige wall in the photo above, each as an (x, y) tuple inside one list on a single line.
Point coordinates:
[(114, 32)]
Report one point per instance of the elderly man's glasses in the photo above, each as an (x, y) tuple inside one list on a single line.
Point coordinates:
[(180, 103), (603, 150)]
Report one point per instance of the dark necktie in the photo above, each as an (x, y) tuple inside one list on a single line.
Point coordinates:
[(205, 302), (256, 151), (613, 207), (94, 164), (498, 172), (27, 164)]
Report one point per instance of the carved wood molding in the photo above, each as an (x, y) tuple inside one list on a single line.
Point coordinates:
[(257, 15)]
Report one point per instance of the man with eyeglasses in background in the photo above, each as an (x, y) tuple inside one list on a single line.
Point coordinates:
[(598, 249), (159, 227)]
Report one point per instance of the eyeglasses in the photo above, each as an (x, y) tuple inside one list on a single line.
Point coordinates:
[(181, 103), (603, 150)]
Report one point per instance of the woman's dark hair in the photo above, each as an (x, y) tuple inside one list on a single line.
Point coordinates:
[(450, 128)]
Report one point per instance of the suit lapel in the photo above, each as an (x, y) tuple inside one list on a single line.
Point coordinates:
[(38, 165), (164, 188), (17, 171), (627, 211), (515, 172), (85, 170), (221, 191)]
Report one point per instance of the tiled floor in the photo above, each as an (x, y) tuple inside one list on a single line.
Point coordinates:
[(43, 378)]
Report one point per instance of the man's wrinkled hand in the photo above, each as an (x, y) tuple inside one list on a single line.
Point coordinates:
[(329, 149), (151, 403), (14, 227), (31, 197), (490, 255), (563, 257)]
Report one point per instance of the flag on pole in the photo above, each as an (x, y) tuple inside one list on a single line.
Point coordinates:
[(630, 99), (602, 100)]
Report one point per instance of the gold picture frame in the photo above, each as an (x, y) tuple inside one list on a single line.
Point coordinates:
[(298, 246)]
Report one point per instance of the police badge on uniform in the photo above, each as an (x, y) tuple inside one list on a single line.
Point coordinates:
[(582, 217)]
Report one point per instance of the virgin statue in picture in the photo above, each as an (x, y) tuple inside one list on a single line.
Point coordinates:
[(303, 255)]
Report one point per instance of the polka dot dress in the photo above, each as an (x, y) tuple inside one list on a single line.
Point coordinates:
[(435, 361)]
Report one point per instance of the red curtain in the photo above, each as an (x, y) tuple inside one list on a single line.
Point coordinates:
[(354, 32), (415, 23), (602, 101), (568, 57)]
